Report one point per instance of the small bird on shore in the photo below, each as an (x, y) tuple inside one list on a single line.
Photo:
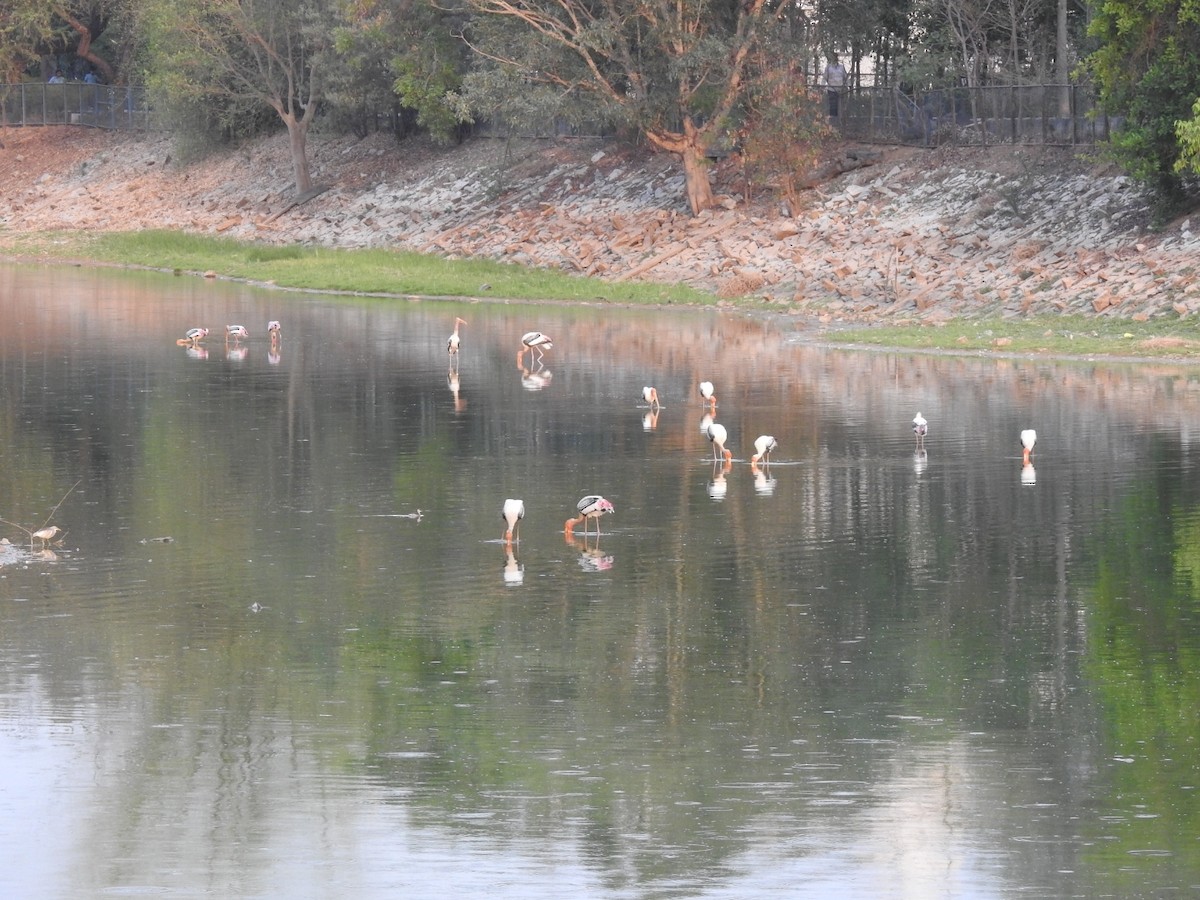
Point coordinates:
[(763, 445), (512, 513), (593, 506), (650, 395), (717, 435), (1028, 439)]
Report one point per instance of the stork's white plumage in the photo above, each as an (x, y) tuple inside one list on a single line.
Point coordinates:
[(535, 342), (237, 332), (512, 513), (763, 445), (920, 426), (706, 393), (650, 395), (1028, 439), (453, 343), (593, 506), (717, 435)]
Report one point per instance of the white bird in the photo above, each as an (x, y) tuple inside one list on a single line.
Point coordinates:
[(650, 395), (593, 506), (706, 393), (274, 329), (237, 332), (718, 435), (763, 445), (195, 335), (454, 341), (920, 427), (45, 534), (535, 342), (1028, 439), (512, 514)]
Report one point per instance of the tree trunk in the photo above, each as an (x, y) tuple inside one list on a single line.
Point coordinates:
[(84, 50), (1061, 50), (298, 144), (691, 147)]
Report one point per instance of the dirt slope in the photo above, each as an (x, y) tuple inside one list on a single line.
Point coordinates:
[(915, 234)]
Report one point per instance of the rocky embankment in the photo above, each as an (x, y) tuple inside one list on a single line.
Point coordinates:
[(912, 234)]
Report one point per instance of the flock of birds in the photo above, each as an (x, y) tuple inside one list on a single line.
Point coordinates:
[(234, 333), (593, 506)]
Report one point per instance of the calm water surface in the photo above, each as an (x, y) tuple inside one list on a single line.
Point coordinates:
[(862, 671)]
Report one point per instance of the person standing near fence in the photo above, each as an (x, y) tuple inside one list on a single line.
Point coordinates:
[(835, 82)]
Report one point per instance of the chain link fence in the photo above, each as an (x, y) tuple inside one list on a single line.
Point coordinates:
[(75, 103)]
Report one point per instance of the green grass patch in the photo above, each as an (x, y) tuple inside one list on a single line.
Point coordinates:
[(350, 271), (1043, 336)]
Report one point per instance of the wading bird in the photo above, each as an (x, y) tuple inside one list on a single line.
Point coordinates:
[(454, 341), (920, 427), (512, 514), (650, 395), (237, 332), (593, 506), (274, 330), (717, 435), (706, 393), (534, 342), (44, 535), (1028, 439), (193, 336), (763, 445)]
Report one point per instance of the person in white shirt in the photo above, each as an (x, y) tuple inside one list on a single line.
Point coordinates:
[(835, 82)]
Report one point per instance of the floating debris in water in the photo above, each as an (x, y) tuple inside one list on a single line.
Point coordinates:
[(158, 540)]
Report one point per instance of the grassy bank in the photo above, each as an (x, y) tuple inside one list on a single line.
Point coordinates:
[(401, 273), (1059, 336), (349, 271)]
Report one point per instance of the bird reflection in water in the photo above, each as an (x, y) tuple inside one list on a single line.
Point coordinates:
[(237, 352), (920, 460), (514, 571), (650, 420), (537, 379), (195, 351), (1028, 473), (455, 384), (591, 557), (705, 421), (718, 486), (764, 481), (273, 355)]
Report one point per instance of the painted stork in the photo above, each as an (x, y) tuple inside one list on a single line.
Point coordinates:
[(454, 341), (193, 336), (763, 445), (1028, 439), (237, 332), (717, 435), (534, 342), (706, 393), (593, 506), (920, 427), (512, 513), (650, 395)]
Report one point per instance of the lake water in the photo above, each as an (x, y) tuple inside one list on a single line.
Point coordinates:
[(863, 671)]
